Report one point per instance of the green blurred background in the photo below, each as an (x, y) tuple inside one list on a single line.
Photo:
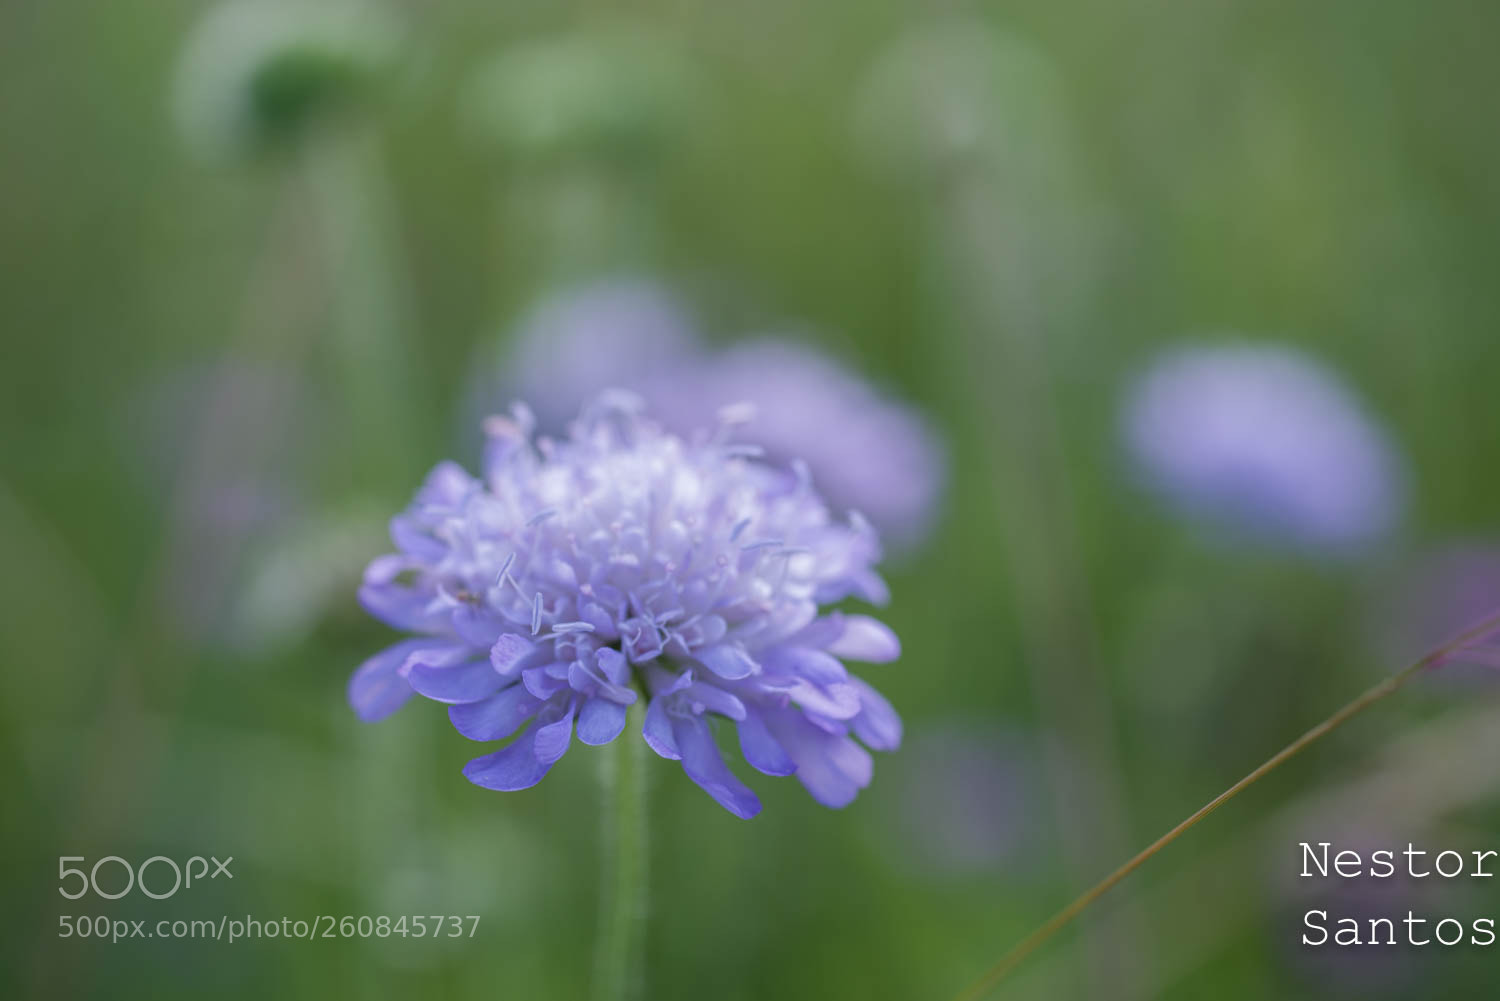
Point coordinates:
[(195, 421)]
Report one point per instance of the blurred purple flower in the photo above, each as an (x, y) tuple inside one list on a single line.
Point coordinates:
[(866, 452), (1441, 594), (962, 802), (626, 334), (620, 560), (1372, 968), (884, 461), (210, 443), (1266, 442)]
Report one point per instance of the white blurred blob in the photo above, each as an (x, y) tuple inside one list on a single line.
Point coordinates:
[(1263, 443), (295, 577), (255, 71), (973, 122)]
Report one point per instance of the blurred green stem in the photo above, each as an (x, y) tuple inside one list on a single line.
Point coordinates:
[(581, 220), (619, 959), (1062, 918), (990, 244), (373, 314)]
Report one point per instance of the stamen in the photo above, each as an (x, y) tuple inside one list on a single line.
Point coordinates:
[(505, 569), (572, 627)]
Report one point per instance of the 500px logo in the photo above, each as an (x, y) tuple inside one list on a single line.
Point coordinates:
[(182, 876)]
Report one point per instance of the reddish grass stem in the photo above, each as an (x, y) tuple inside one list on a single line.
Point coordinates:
[(1019, 952)]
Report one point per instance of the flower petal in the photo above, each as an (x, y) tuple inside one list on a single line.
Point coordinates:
[(402, 607), (509, 654), (640, 640), (377, 689), (816, 666), (866, 585), (706, 630), (866, 639), (445, 654), (727, 660), (840, 701), (612, 664), (827, 765), (877, 724), (600, 721), (705, 766), (704, 697), (585, 681), (761, 749), (541, 683), (552, 738), (413, 539), (465, 683), (513, 767), (820, 633), (475, 626), (496, 717), (657, 730), (446, 486), (851, 760)]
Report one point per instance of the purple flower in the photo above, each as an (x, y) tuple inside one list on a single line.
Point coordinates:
[(962, 800), (209, 443), (1266, 442), (885, 461), (578, 574)]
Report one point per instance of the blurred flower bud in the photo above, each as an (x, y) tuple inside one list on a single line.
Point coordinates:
[(255, 74)]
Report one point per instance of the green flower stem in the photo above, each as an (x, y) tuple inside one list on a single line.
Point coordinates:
[(1012, 959), (619, 959), (372, 305)]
